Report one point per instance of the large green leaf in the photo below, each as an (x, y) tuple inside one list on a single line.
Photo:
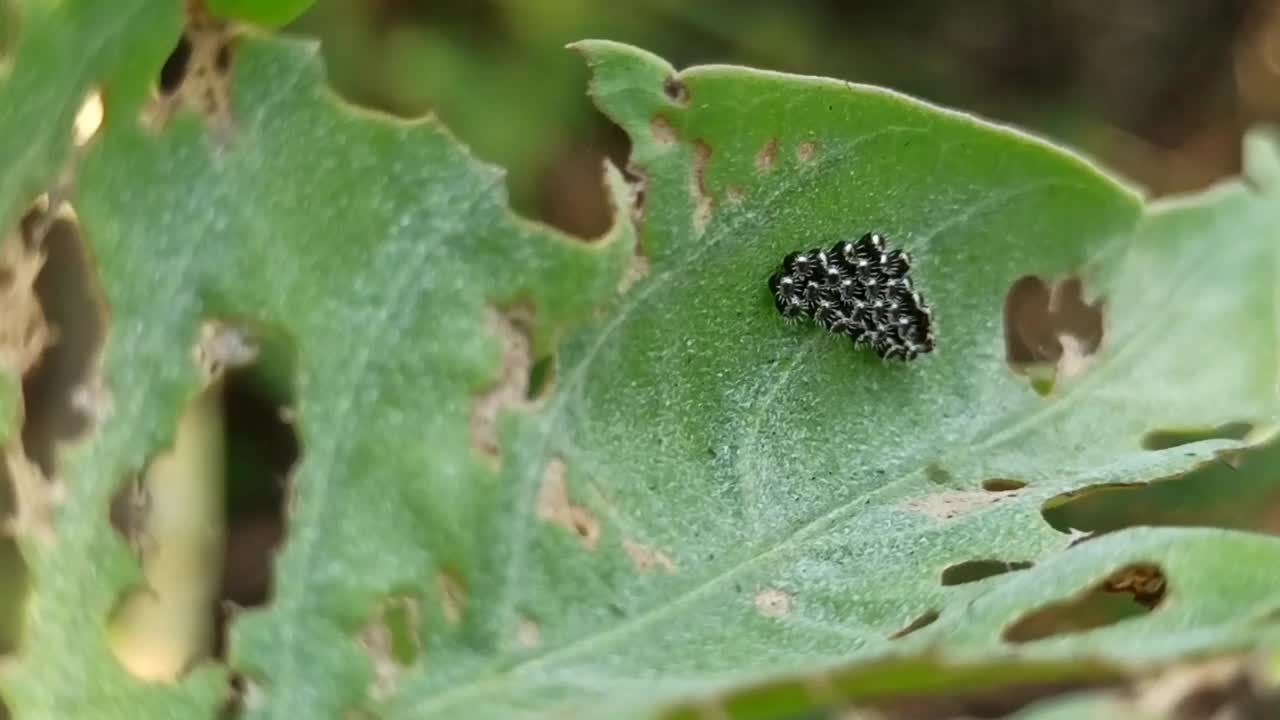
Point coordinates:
[(706, 495), (808, 497), (379, 249)]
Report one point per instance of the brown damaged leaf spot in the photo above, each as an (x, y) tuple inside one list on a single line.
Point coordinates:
[(924, 620), (453, 596), (702, 201), (1050, 332), (196, 75), (1002, 485), (511, 389), (676, 91), (637, 183), (663, 133), (767, 156), (223, 346), (554, 506), (646, 558), (390, 639), (773, 603), (528, 634), (805, 151), (1144, 585), (638, 268), (949, 505), (734, 194), (975, 570), (24, 332)]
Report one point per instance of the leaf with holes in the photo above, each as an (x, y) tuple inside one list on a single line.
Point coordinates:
[(523, 495), (245, 214), (728, 494)]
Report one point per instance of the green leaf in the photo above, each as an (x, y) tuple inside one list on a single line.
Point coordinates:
[(809, 497), (59, 52), (268, 13), (386, 255)]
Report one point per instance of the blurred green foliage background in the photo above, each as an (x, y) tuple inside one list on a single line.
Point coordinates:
[(1158, 89)]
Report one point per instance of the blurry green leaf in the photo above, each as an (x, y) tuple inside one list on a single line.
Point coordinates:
[(62, 51), (268, 13)]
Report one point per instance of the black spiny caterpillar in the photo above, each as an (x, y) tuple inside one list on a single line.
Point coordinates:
[(860, 289)]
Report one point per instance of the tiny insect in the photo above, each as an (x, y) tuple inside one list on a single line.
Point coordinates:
[(861, 289)]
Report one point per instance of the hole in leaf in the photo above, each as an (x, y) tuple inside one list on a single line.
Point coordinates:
[(1242, 494), (676, 91), (262, 451), (1050, 331), (174, 69), (1002, 485), (663, 133), (1165, 439), (567, 192), (975, 570), (1132, 591), (542, 377), (67, 288), (926, 619), (511, 387), (191, 76), (166, 624)]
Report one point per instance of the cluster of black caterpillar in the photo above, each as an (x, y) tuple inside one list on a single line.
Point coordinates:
[(859, 289)]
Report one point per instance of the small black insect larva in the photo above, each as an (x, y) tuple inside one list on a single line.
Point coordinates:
[(860, 289)]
